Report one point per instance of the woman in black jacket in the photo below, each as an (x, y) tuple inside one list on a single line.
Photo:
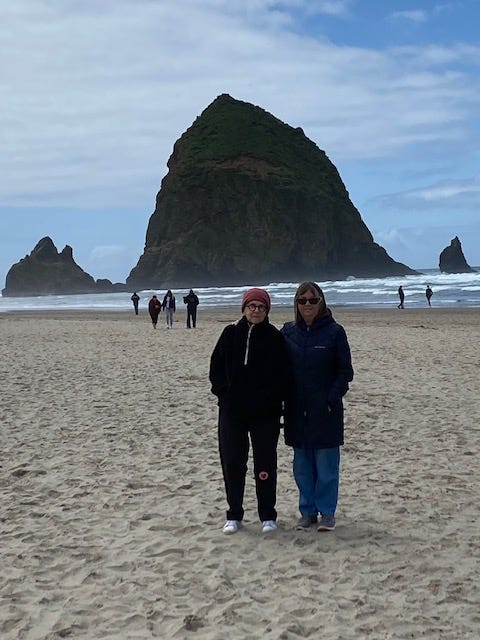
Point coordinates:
[(249, 373), (154, 308), (322, 369)]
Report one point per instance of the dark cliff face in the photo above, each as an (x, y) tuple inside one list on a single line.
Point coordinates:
[(47, 272), (249, 199), (452, 259)]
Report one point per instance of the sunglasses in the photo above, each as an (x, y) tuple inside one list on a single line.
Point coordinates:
[(254, 307), (312, 301)]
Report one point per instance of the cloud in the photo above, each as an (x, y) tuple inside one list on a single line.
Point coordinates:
[(106, 252), (396, 242), (454, 195), (337, 8), (420, 246), (429, 57), (110, 261), (416, 15), (94, 95), (450, 189), (447, 6)]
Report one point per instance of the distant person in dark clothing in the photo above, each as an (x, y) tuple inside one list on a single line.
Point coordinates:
[(428, 294), (135, 299), (191, 300), (401, 295), (168, 305), (154, 308)]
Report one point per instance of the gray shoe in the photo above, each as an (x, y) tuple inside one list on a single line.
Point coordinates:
[(305, 523), (327, 522), (232, 526), (268, 526)]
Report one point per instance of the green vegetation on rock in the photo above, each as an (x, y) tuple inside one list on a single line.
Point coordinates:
[(249, 199)]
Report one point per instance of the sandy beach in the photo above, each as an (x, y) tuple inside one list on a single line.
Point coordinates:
[(113, 501)]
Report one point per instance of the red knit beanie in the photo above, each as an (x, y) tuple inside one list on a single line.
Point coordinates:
[(256, 294)]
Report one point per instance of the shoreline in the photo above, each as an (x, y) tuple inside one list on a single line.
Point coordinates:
[(218, 312), (449, 291)]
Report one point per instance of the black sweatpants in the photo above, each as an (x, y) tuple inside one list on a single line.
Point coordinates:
[(191, 315), (233, 439)]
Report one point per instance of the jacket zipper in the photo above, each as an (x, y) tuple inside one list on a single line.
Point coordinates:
[(304, 354), (248, 344)]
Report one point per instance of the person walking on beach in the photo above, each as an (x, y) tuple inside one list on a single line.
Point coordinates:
[(154, 308), (135, 299), (168, 305), (428, 294), (191, 300), (322, 369), (401, 295), (249, 374)]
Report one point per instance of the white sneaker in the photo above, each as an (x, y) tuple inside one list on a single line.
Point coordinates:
[(268, 526), (232, 526)]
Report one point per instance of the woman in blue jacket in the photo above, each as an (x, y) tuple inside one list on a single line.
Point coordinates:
[(322, 369)]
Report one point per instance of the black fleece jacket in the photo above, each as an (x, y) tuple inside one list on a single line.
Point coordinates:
[(250, 369)]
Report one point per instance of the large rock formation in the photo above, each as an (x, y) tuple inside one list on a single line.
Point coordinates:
[(249, 199), (452, 259), (47, 272)]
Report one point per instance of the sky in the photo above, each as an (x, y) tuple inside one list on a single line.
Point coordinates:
[(94, 94)]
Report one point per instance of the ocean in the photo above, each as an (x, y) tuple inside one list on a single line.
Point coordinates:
[(449, 290)]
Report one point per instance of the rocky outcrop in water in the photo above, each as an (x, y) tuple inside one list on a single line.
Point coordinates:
[(47, 272), (452, 259), (249, 199)]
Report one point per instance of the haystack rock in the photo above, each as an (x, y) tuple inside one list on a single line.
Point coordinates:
[(47, 272), (249, 199), (452, 259)]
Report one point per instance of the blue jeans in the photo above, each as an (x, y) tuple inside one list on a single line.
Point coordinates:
[(169, 314), (317, 474)]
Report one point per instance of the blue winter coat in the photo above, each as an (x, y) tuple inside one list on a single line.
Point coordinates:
[(322, 369)]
